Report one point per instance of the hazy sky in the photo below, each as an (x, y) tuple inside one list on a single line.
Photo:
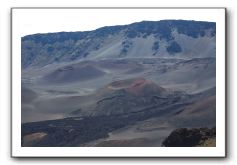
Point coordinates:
[(31, 21)]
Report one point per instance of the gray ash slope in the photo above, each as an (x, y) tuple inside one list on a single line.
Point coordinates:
[(132, 102), (167, 38), (121, 105), (120, 85)]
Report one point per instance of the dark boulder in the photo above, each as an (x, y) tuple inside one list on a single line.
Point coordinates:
[(184, 137)]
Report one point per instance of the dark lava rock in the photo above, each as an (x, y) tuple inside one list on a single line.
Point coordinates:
[(184, 137)]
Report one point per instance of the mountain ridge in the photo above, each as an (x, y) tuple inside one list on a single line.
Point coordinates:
[(146, 38), (26, 37)]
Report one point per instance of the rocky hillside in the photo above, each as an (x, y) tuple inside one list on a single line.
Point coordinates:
[(183, 137), (166, 38)]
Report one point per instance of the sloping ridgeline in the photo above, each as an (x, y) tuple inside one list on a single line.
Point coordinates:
[(43, 49)]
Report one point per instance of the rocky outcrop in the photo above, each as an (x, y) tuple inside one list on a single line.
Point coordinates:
[(183, 137)]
